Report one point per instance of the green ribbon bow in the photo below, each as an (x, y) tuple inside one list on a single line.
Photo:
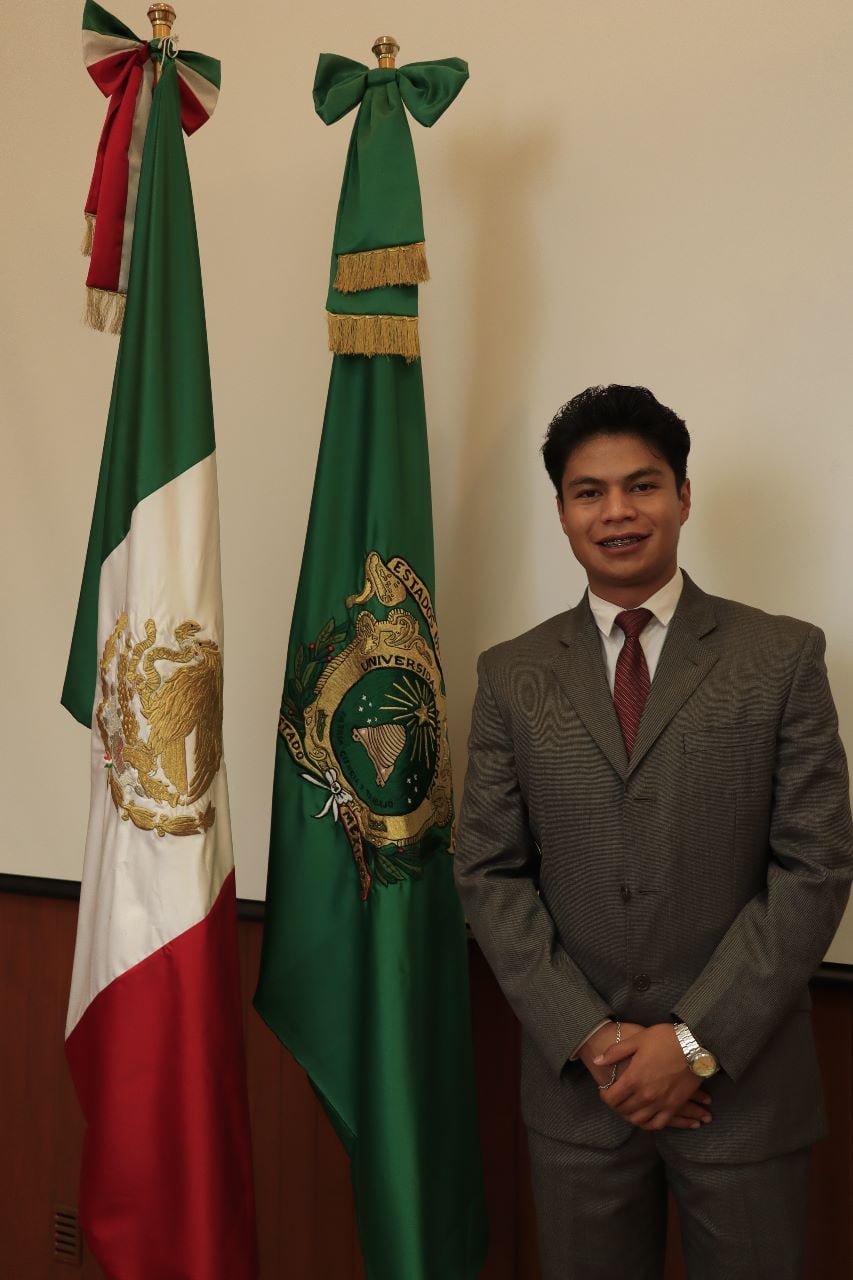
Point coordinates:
[(378, 255)]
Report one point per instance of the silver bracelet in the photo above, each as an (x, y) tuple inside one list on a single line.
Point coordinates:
[(612, 1079)]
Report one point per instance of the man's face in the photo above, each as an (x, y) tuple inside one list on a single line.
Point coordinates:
[(622, 514)]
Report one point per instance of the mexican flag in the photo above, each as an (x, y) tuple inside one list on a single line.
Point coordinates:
[(154, 1031), (364, 965)]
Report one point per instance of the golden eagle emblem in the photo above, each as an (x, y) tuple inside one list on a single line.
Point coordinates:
[(160, 718)]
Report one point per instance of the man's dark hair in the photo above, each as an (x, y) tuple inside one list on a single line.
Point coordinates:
[(615, 411)]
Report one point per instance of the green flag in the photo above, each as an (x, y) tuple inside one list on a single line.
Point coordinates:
[(364, 966)]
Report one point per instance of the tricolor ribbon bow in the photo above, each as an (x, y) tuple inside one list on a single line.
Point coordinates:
[(122, 67)]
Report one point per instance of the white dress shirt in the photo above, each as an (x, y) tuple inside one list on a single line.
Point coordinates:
[(662, 605)]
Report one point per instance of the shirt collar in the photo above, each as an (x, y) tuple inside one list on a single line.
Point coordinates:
[(662, 605)]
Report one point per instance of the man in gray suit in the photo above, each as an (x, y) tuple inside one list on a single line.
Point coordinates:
[(654, 851)]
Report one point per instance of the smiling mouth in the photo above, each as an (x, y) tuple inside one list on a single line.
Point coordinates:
[(627, 540)]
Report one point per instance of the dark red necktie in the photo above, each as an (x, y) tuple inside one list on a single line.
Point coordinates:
[(631, 687)]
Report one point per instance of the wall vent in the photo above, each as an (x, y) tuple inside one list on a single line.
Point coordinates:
[(67, 1242)]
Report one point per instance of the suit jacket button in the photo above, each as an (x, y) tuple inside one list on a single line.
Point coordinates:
[(625, 892), (642, 982)]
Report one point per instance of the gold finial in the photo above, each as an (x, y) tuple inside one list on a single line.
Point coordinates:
[(161, 17), (386, 49)]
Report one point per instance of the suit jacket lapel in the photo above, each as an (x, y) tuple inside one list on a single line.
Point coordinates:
[(580, 668), (685, 661)]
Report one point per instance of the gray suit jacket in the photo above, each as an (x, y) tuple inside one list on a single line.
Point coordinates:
[(704, 878)]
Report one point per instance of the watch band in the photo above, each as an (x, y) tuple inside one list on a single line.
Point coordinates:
[(699, 1059), (690, 1046)]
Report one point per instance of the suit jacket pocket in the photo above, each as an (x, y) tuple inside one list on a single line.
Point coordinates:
[(729, 739)]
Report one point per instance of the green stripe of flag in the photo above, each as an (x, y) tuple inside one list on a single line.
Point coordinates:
[(161, 414), (95, 18), (210, 68)]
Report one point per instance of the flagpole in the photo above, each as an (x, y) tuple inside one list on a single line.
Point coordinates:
[(162, 17), (386, 49)]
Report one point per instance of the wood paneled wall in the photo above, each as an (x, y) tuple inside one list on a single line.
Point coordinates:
[(305, 1218)]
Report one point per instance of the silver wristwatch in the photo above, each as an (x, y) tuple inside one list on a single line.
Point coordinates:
[(699, 1060)]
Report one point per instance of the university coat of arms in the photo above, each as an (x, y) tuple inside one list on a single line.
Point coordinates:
[(364, 719)]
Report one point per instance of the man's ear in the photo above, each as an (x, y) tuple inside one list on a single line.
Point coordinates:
[(686, 498), (561, 514)]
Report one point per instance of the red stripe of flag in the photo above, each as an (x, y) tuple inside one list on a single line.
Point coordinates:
[(108, 192), (193, 114), (157, 1060), (111, 72)]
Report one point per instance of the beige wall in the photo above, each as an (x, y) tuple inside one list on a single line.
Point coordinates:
[(653, 191)]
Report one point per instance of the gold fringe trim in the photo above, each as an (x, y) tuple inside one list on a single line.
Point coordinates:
[(104, 310), (374, 336), (400, 264), (88, 235)]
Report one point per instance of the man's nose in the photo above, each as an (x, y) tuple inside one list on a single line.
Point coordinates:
[(618, 506)]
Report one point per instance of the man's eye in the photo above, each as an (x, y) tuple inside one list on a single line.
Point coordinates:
[(645, 486), (587, 493)]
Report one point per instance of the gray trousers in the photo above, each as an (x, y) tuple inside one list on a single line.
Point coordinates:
[(602, 1214)]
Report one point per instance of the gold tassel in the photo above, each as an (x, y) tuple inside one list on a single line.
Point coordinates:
[(104, 310), (88, 235), (399, 264), (374, 336)]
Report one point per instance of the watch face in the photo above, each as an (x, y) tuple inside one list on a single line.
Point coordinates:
[(704, 1065)]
